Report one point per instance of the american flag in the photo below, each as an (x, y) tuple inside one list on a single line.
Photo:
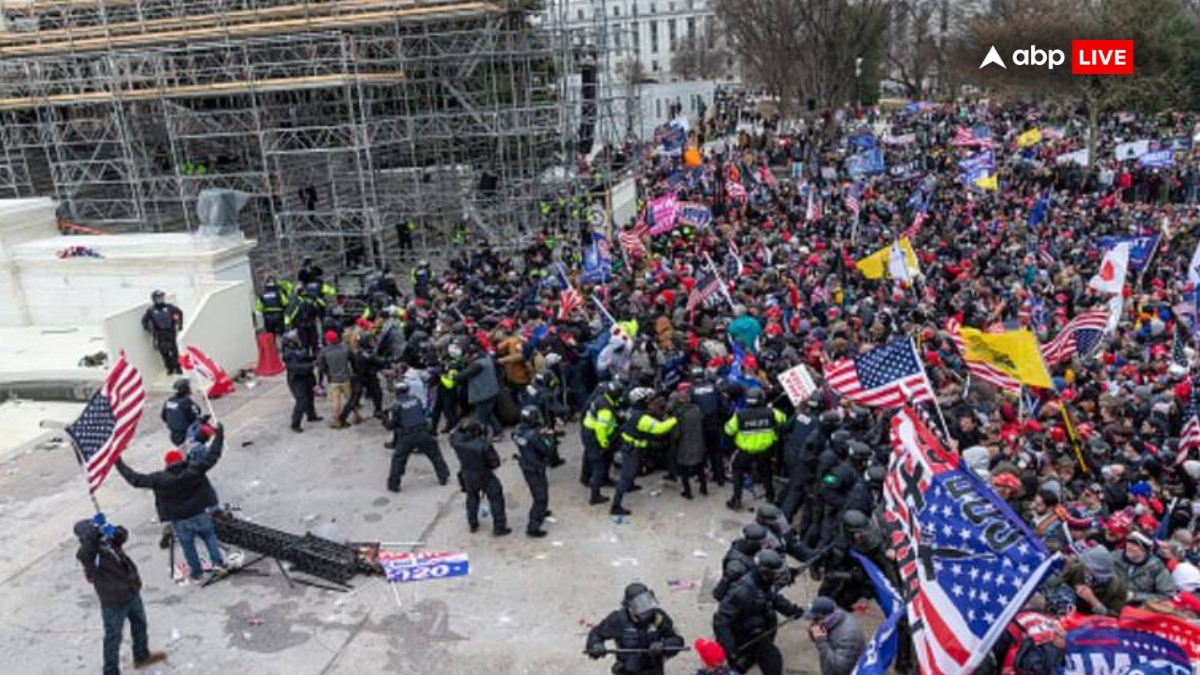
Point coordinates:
[(975, 136), (887, 376), (813, 211), (569, 300), (631, 240), (918, 220), (109, 421), (1080, 336), (1189, 438), (735, 190), (978, 368), (852, 203), (704, 293), (967, 564)]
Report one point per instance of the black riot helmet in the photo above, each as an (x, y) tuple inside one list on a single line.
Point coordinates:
[(876, 473), (755, 397), (531, 416), (772, 518), (860, 454), (855, 521), (182, 387), (754, 534), (840, 441), (158, 297), (769, 565), (639, 601), (829, 421)]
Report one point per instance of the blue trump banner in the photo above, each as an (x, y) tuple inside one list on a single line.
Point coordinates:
[(881, 650), (597, 261), (1105, 649), (1140, 248), (408, 567)]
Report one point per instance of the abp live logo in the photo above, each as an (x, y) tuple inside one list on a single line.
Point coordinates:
[(1088, 57), (1102, 57)]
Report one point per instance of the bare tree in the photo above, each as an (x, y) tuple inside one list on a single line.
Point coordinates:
[(805, 49), (698, 61)]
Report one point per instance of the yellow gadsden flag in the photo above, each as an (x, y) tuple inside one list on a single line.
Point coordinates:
[(1014, 352), (1028, 138), (988, 182), (875, 266)]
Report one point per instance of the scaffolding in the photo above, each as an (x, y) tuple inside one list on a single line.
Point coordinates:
[(353, 125)]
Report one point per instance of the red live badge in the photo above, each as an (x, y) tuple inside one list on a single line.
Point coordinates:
[(1102, 57)]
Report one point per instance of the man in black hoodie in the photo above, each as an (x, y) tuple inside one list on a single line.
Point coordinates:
[(118, 584), (183, 496)]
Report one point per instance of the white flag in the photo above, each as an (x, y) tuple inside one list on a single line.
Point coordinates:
[(898, 263), (1111, 276), (1116, 305)]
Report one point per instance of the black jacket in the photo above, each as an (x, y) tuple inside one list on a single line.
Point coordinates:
[(107, 568), (748, 610), (628, 634), (299, 364), (476, 455), (181, 490)]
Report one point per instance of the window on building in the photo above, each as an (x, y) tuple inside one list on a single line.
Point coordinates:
[(672, 30), (579, 13), (654, 66), (691, 29), (617, 30), (635, 30), (633, 8), (653, 37), (616, 10), (671, 7), (658, 104), (691, 4), (653, 9), (710, 35)]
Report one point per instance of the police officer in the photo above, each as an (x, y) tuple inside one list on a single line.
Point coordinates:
[(647, 428), (163, 321), (304, 316), (271, 306), (423, 278), (755, 430), (179, 412), (745, 622), (478, 461), (410, 432), (710, 401), (644, 635), (535, 448), (301, 379), (599, 427), (446, 393), (796, 458), (543, 393), (739, 559)]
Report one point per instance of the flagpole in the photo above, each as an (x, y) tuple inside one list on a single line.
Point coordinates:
[(937, 406)]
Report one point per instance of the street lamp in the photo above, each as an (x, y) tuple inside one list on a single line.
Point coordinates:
[(858, 61)]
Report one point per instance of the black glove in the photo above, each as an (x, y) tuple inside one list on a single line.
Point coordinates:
[(596, 650), (656, 648)]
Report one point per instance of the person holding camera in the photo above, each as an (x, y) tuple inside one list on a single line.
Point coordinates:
[(478, 461), (117, 582)]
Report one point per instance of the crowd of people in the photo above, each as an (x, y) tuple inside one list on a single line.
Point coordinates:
[(669, 362)]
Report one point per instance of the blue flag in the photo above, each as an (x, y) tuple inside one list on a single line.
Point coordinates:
[(1108, 649), (1140, 248), (1038, 213), (597, 261), (881, 650)]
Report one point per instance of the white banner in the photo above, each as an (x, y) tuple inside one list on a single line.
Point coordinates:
[(798, 384)]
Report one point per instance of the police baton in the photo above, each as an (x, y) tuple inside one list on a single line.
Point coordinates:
[(770, 631), (625, 652)]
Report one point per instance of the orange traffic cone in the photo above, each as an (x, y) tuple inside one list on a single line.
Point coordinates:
[(268, 356)]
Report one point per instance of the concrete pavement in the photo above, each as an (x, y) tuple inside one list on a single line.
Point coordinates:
[(525, 608)]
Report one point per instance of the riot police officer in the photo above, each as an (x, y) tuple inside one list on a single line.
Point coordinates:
[(797, 459), (446, 394), (644, 635), (304, 316), (271, 306), (739, 559), (535, 451), (411, 433), (163, 321), (745, 622), (755, 430), (179, 412), (708, 398), (647, 428), (598, 429), (478, 461), (423, 278)]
